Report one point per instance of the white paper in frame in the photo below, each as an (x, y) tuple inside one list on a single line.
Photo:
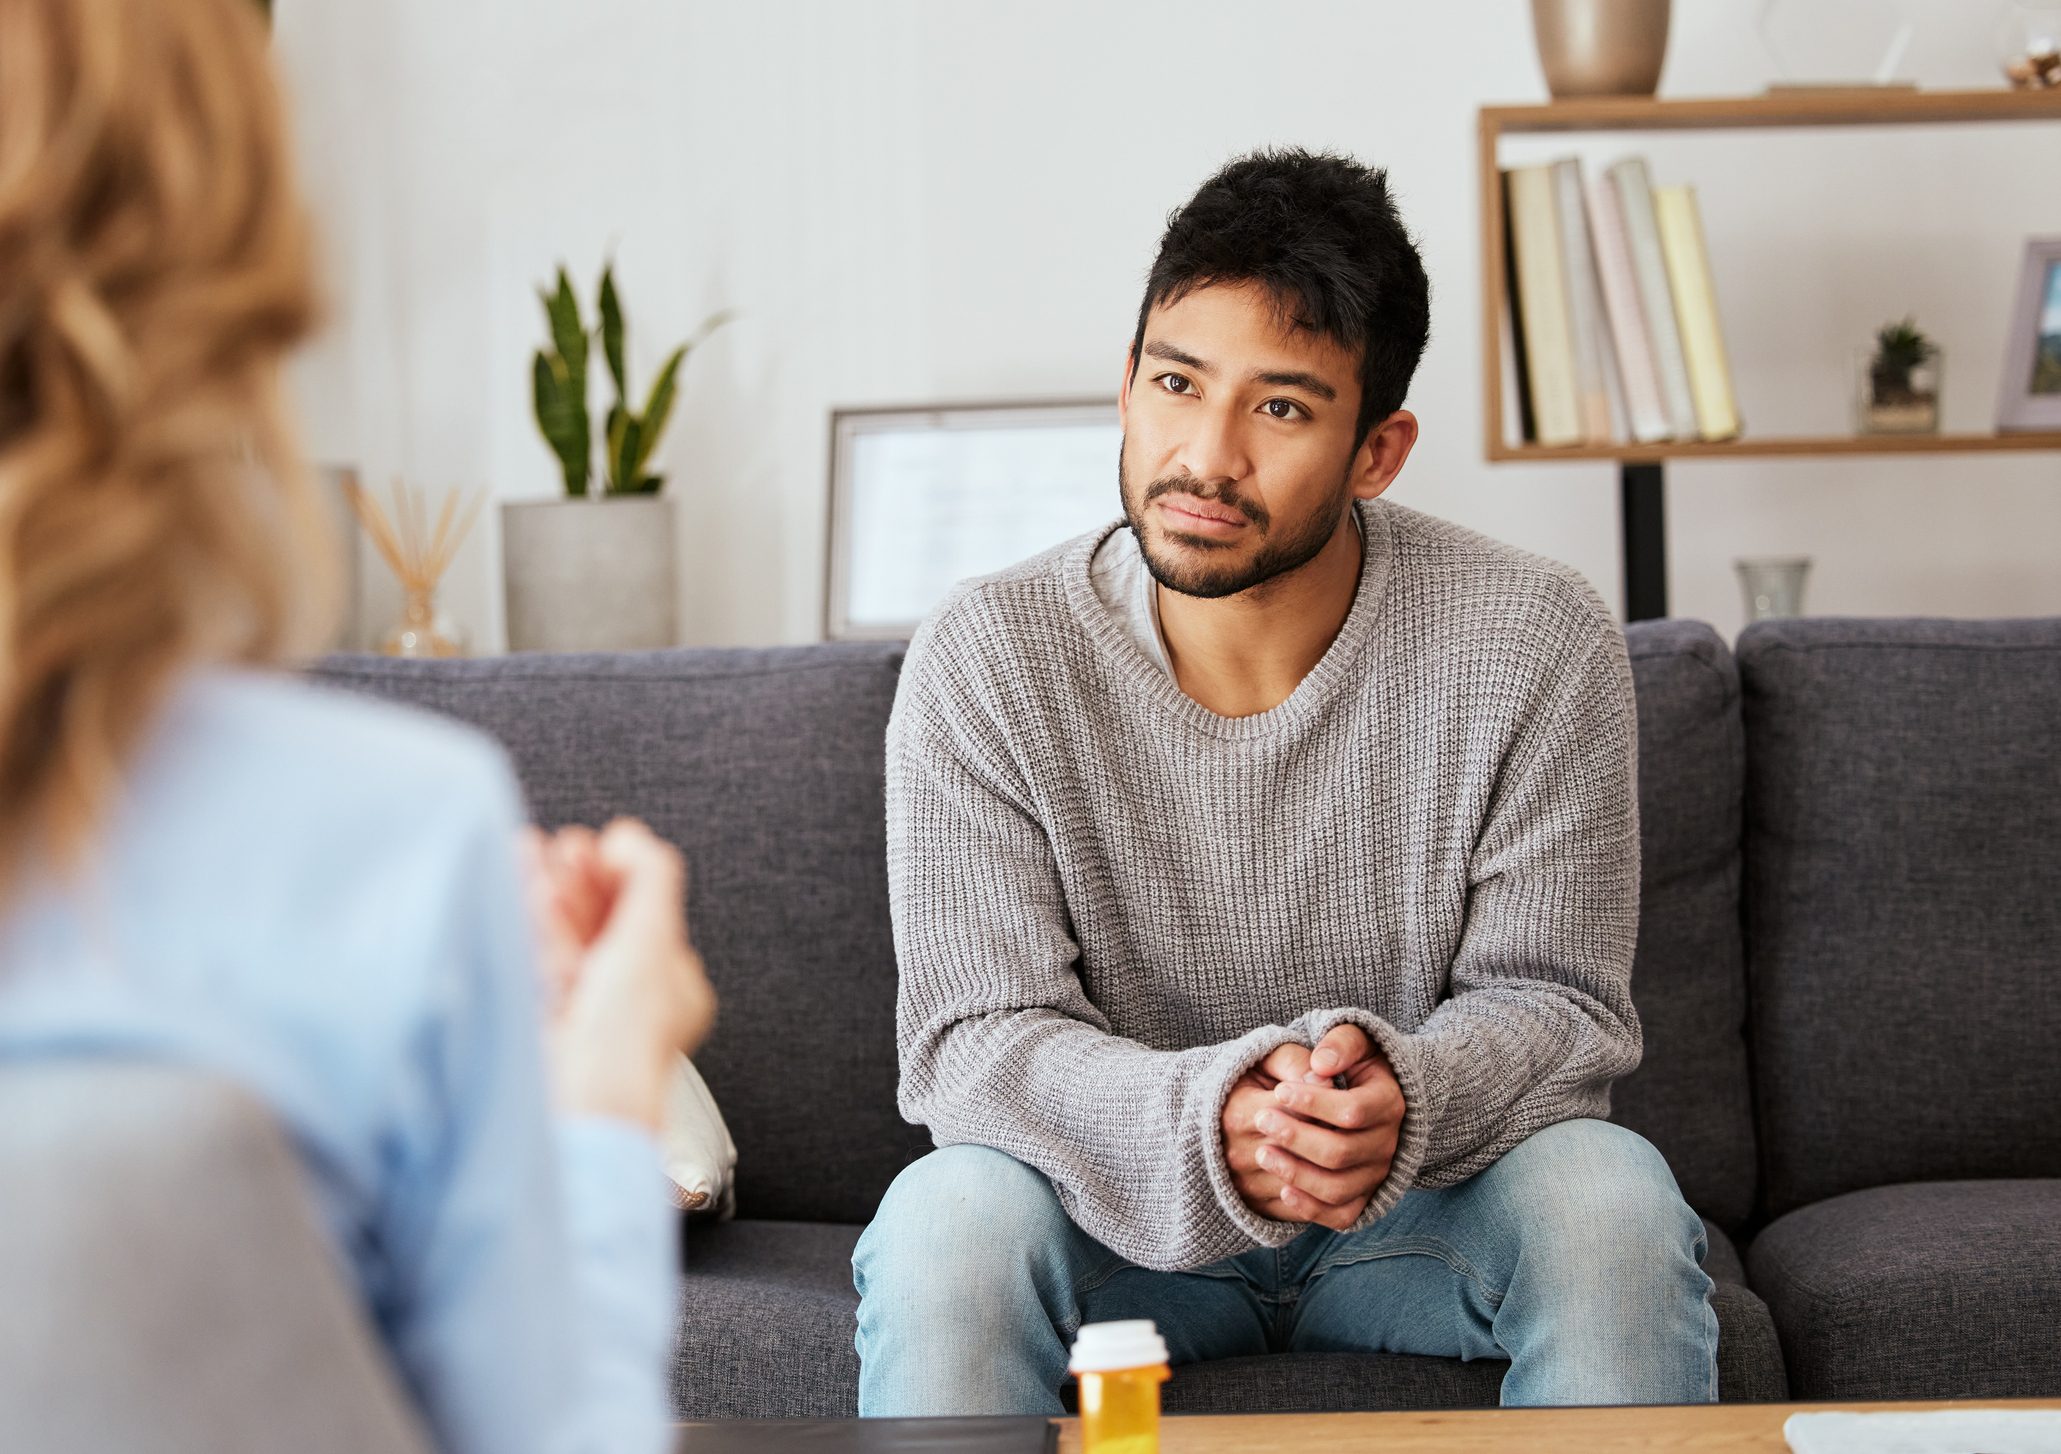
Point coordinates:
[(922, 498)]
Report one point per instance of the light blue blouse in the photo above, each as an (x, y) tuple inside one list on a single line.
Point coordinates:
[(318, 897)]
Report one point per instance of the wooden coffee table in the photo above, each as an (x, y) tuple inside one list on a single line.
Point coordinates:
[(1713, 1429)]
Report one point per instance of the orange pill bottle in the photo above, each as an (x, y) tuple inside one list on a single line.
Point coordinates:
[(1120, 1366)]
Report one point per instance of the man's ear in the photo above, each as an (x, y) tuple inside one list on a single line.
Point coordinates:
[(1382, 454), (1123, 392)]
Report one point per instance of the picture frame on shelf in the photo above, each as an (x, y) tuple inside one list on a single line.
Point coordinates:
[(335, 481), (2030, 397), (924, 497)]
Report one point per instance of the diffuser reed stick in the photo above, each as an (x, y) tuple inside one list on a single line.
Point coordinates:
[(418, 554)]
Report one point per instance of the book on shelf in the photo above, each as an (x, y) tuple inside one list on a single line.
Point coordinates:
[(1633, 189), (1585, 320), (1542, 323), (1696, 315), (1615, 276), (1638, 369), (1513, 318)]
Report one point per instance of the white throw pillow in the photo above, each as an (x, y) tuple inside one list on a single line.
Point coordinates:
[(700, 1158)]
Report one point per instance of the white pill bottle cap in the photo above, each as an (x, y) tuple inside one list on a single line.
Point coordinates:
[(1111, 1347)]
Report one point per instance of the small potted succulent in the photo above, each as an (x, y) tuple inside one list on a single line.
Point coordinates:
[(594, 572), (1899, 382)]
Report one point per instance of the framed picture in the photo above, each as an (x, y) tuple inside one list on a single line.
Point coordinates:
[(335, 482), (2031, 395), (922, 498)]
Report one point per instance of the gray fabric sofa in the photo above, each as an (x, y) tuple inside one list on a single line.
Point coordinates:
[(1849, 970)]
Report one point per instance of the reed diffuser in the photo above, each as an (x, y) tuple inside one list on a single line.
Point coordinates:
[(418, 555)]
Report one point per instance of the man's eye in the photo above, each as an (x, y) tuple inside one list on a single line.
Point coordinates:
[(1176, 383), (1284, 409)]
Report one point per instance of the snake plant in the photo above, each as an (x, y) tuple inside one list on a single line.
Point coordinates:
[(559, 384)]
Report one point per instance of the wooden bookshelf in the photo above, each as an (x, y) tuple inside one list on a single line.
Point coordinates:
[(1781, 447), (1641, 464), (1857, 106)]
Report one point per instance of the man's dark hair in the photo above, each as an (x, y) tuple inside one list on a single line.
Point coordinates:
[(1321, 234)]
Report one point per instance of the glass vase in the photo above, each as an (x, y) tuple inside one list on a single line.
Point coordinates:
[(1836, 42), (1773, 585), (423, 630), (1895, 399), (2029, 47)]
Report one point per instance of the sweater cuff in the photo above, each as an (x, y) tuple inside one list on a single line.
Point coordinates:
[(1239, 1056), (1417, 1071)]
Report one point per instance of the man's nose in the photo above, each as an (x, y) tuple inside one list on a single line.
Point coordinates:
[(1213, 452)]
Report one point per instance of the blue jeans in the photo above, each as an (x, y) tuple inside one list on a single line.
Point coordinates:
[(1573, 1257)]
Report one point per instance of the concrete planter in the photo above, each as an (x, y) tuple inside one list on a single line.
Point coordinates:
[(589, 575)]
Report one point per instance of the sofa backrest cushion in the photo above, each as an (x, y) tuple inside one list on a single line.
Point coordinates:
[(1691, 1096), (767, 768), (1903, 897)]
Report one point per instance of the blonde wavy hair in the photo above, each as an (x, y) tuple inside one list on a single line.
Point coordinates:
[(155, 513)]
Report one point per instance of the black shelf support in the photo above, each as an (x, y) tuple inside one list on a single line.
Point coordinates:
[(1642, 511)]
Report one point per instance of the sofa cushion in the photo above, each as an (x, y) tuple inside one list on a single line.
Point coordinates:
[(1691, 1096), (767, 768), (1930, 1290), (1903, 848), (768, 1315), (1749, 1371)]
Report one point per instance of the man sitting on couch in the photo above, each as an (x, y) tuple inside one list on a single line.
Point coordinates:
[(1265, 880)]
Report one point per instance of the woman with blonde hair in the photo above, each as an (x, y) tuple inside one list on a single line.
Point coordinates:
[(207, 862)]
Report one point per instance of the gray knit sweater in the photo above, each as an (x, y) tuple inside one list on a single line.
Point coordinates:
[(1110, 902)]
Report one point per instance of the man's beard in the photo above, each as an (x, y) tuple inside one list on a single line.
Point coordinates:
[(1295, 549)]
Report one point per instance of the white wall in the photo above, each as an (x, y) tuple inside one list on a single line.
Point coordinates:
[(918, 200)]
